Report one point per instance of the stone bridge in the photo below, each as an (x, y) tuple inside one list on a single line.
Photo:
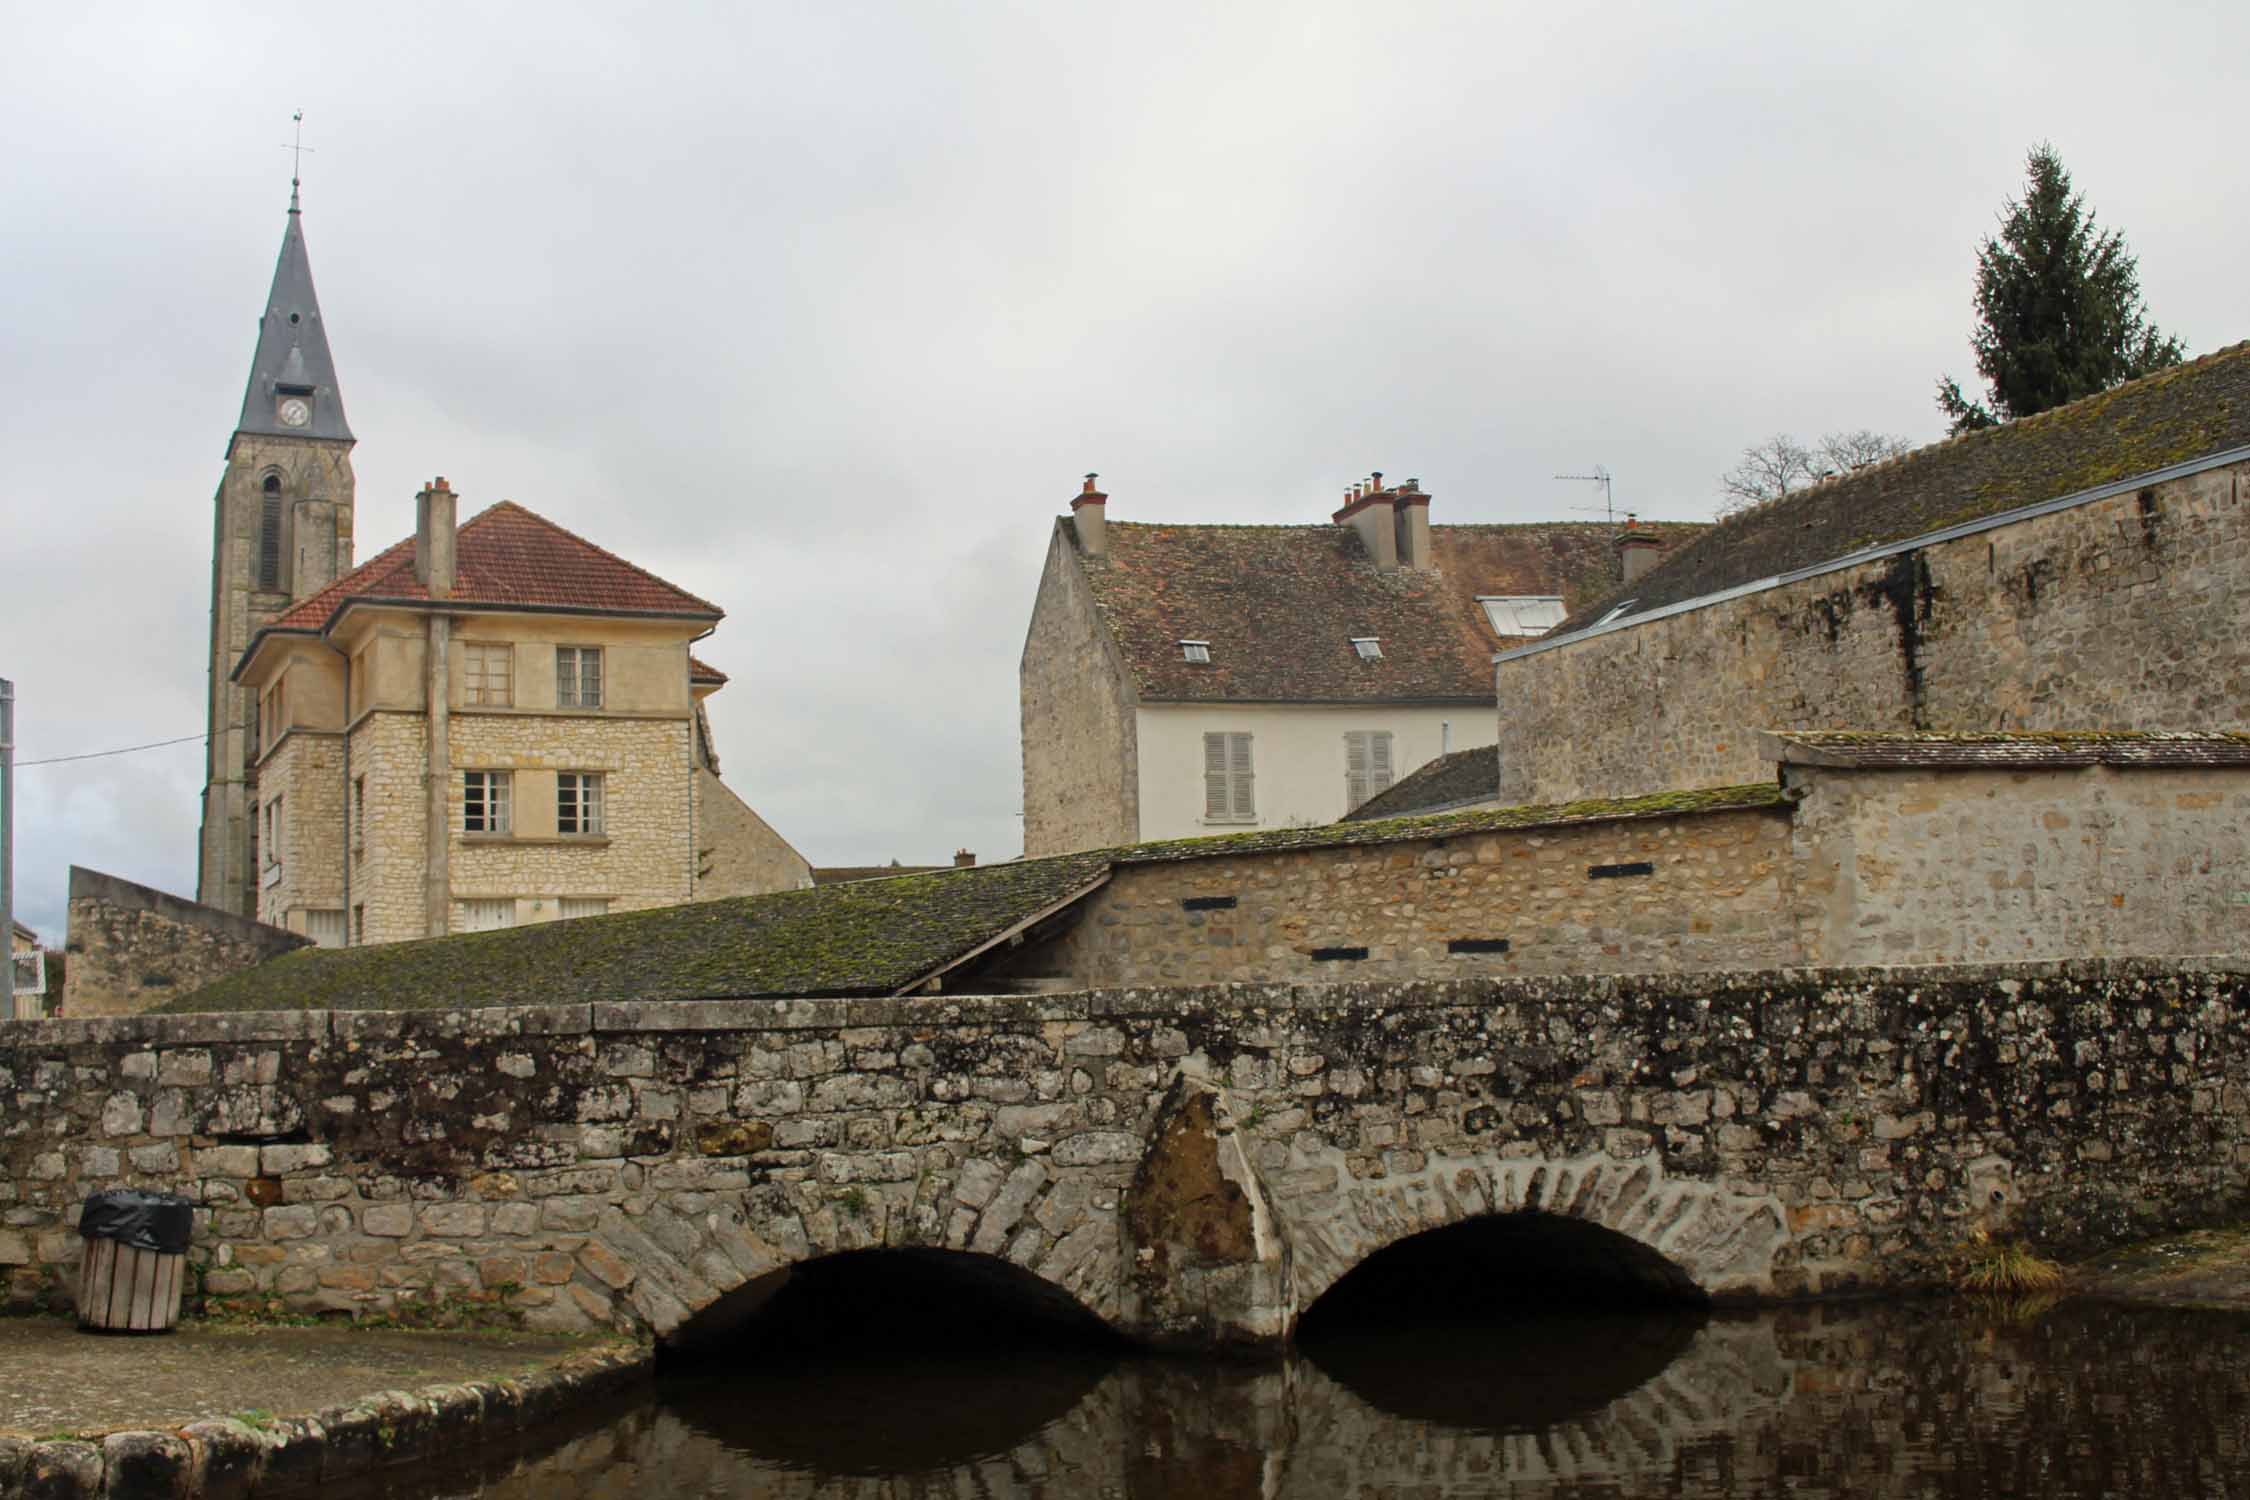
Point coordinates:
[(1195, 1167)]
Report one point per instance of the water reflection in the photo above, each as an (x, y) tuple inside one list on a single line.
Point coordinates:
[(1935, 1399)]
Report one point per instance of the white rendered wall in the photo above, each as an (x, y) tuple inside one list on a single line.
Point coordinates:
[(1297, 754)]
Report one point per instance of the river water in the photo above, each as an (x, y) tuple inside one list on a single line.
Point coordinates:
[(1940, 1398)]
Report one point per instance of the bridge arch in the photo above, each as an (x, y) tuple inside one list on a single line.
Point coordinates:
[(1670, 1236)]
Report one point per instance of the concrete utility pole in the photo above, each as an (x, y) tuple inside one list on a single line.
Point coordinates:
[(8, 836)]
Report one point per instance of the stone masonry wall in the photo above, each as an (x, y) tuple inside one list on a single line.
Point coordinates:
[(647, 854), (739, 852), (388, 754), (1081, 782), (306, 770), (132, 947), (1195, 1166), (1968, 866), (1714, 896), (2126, 613)]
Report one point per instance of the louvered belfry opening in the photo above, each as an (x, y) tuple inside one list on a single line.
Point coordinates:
[(269, 534)]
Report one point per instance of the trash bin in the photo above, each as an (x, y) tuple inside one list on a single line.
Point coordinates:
[(136, 1260)]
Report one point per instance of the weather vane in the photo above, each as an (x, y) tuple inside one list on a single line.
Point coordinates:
[(296, 149)]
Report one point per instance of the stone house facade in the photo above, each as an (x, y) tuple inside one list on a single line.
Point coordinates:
[(1183, 680), (2087, 568), (492, 724)]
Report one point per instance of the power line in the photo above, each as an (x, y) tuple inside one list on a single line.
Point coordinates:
[(98, 754)]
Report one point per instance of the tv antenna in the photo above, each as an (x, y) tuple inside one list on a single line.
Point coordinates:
[(1600, 476)]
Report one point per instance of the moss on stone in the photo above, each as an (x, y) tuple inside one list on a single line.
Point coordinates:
[(870, 937)]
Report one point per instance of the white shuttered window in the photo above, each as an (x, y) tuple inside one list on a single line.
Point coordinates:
[(1367, 765), (1227, 779)]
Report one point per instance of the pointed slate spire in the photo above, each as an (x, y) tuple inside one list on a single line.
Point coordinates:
[(292, 359)]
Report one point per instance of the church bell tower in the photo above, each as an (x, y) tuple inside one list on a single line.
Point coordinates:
[(281, 530)]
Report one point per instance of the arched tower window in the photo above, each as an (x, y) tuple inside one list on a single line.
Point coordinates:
[(269, 534)]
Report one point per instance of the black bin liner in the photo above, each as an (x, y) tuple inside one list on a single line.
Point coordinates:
[(138, 1220)]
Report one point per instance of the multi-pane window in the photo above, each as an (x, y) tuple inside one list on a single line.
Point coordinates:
[(578, 677), (583, 906), (488, 675), (274, 831), (488, 915), (1367, 765), (578, 802), (1227, 779), (359, 812), (325, 928), (1195, 651), (484, 801)]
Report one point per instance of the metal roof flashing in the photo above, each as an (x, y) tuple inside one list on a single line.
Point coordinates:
[(2107, 491)]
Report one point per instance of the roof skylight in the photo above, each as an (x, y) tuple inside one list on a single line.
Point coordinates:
[(1370, 648), (1195, 650), (1522, 614)]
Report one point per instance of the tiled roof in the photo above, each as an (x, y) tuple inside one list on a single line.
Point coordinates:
[(1449, 781), (506, 558), (2200, 408), (869, 937), (1904, 750), (1280, 606), (700, 671)]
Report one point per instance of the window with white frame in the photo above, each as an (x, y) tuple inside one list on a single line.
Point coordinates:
[(1228, 779), (325, 928), (488, 675), (275, 828), (1197, 651), (578, 802), (484, 801), (578, 677), (1367, 765), (488, 915), (1370, 648), (583, 906)]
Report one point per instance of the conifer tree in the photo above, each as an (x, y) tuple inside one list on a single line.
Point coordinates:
[(2059, 312)]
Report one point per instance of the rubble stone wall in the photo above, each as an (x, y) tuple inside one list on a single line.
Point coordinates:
[(1193, 1165), (2124, 613), (132, 947)]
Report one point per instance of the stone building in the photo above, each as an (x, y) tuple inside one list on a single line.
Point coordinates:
[(1180, 680), (491, 724), (2086, 568), (281, 531)]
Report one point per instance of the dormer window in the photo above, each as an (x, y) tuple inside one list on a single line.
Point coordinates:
[(1522, 614), (1370, 648), (1199, 651)]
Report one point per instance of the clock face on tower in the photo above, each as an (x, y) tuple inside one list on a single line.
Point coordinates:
[(295, 411)]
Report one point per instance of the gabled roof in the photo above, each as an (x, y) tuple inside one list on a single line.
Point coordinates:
[(866, 937), (1911, 750), (701, 671), (292, 350), (504, 558), (1450, 781), (1281, 605), (2198, 409)]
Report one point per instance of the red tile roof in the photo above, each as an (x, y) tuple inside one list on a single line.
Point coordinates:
[(504, 558), (1280, 606), (699, 671)]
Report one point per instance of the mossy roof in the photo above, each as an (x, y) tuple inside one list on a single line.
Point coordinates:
[(2189, 412), (1907, 750), (1455, 780), (870, 937)]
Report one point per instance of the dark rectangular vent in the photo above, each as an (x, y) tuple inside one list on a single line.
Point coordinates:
[(1619, 872), (1477, 945), (1333, 955), (1207, 903)]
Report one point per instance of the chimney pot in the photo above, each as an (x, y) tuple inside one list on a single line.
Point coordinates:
[(1376, 482), (434, 530), (962, 858), (1089, 509)]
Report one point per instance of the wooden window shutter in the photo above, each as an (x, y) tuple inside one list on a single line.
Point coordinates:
[(1355, 768), (1378, 761), (1238, 767), (1216, 803)]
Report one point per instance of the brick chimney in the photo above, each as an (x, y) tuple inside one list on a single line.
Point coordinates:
[(963, 859), (1369, 508), (1637, 550), (1089, 511), (433, 539), (1411, 508)]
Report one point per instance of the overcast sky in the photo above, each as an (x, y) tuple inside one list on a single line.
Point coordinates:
[(821, 310)]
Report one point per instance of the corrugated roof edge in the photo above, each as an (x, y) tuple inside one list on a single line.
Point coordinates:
[(2107, 491)]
